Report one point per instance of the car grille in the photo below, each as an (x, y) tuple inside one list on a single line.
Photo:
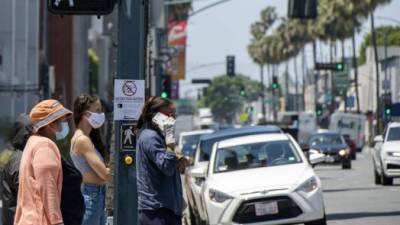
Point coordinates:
[(393, 167), (286, 206)]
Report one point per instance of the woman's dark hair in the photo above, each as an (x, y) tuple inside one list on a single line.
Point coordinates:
[(82, 105), (21, 132), (151, 108)]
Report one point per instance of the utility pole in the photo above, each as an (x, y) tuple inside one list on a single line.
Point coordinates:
[(377, 114), (130, 65), (262, 92), (353, 40)]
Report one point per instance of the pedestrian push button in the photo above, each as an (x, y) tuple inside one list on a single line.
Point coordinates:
[(128, 160)]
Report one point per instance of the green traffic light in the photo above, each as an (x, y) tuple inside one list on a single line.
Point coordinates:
[(339, 67), (164, 94), (319, 113), (242, 93), (274, 85), (388, 111)]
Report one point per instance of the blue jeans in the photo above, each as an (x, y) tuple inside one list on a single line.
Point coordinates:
[(95, 204), (159, 217)]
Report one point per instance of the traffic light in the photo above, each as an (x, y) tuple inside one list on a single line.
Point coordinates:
[(387, 110), (302, 9), (166, 86), (275, 84), (319, 110), (336, 66), (79, 7), (242, 91), (230, 65)]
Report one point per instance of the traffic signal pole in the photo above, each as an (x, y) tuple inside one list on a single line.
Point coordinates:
[(130, 65)]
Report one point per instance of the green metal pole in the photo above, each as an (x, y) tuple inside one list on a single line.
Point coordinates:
[(131, 65)]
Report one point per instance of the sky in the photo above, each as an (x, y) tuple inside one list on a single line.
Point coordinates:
[(225, 30)]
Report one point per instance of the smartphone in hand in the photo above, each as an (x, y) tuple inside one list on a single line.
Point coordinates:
[(167, 126)]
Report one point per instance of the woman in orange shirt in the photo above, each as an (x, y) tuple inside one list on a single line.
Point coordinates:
[(40, 173)]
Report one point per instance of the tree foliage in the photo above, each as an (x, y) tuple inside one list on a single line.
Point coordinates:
[(337, 20), (224, 97), (393, 38)]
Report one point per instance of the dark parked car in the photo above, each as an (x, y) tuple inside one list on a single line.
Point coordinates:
[(333, 145)]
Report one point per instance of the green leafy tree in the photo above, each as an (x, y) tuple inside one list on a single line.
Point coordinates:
[(226, 96), (393, 38)]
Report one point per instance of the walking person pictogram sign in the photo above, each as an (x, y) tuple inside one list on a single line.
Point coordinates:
[(128, 137)]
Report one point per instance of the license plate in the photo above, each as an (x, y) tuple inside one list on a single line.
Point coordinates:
[(329, 159), (266, 208)]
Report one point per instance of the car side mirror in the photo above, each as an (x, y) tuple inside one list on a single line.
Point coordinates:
[(378, 138), (200, 172), (305, 147)]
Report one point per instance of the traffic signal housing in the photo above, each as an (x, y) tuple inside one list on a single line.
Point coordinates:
[(319, 110), (230, 65), (166, 87), (387, 110), (275, 83), (242, 92), (302, 9), (79, 7), (335, 66)]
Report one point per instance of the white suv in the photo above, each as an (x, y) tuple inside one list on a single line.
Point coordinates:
[(387, 155)]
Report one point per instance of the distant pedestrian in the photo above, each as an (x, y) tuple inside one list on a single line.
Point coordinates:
[(90, 156), (21, 132), (158, 168), (40, 173)]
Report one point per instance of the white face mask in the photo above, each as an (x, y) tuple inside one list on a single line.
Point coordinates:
[(96, 120), (64, 131)]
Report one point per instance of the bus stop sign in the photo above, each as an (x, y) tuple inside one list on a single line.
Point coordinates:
[(81, 7)]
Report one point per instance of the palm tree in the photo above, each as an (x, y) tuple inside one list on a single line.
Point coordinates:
[(256, 49)]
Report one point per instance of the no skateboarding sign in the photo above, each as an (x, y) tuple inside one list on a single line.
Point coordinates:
[(128, 99)]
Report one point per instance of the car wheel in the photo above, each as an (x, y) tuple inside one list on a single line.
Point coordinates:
[(317, 222), (377, 177), (346, 164), (386, 180)]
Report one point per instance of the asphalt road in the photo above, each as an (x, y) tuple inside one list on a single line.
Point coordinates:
[(352, 198)]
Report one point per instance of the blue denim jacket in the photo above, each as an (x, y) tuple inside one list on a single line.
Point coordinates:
[(158, 179)]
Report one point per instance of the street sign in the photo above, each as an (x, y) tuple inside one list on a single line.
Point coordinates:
[(328, 98), (128, 137), (350, 101), (335, 66), (81, 7), (201, 81), (128, 99)]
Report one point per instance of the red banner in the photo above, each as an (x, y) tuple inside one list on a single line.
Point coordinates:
[(177, 33)]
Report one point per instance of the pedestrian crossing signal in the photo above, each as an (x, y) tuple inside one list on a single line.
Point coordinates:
[(81, 7)]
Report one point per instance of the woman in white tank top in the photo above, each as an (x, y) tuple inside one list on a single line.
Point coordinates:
[(90, 156)]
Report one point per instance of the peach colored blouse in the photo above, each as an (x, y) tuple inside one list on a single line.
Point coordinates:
[(40, 182)]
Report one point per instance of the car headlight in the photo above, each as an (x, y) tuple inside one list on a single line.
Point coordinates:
[(344, 152), (218, 196), (394, 154), (309, 185)]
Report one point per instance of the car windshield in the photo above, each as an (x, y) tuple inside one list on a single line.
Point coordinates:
[(190, 139), (256, 155), (207, 144), (325, 139), (394, 134), (189, 144)]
